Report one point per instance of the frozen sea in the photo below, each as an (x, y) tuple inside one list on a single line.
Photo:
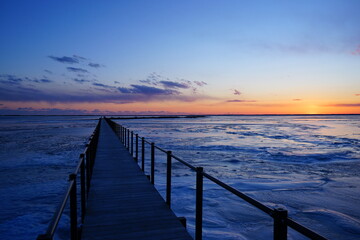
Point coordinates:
[(309, 165)]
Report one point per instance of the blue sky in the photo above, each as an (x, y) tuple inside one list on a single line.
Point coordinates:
[(180, 53)]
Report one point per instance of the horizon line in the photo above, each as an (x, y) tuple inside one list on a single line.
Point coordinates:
[(271, 114)]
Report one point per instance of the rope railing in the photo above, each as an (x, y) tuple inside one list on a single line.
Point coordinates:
[(280, 215), (85, 168)]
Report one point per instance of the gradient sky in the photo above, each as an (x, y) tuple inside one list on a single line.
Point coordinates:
[(172, 56)]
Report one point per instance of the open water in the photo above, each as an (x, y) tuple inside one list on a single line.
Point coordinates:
[(309, 165)]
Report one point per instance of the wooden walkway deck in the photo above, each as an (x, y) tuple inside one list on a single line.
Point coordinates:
[(122, 203)]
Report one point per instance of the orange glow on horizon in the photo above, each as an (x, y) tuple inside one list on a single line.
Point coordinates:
[(204, 107)]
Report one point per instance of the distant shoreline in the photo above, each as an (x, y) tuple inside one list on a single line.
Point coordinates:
[(156, 117), (170, 115)]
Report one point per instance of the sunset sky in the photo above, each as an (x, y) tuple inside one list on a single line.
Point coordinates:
[(179, 57)]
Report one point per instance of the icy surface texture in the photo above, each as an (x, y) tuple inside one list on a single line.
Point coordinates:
[(37, 153), (307, 164)]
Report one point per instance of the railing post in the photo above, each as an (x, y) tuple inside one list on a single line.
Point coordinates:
[(143, 154), (132, 144), (280, 227), (137, 147), (87, 166), (82, 185), (123, 140), (44, 237), (92, 156), (168, 178), (121, 133), (73, 208), (125, 136), (128, 139), (199, 203), (152, 172)]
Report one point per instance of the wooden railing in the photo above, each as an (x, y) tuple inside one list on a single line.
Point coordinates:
[(281, 221), (85, 168)]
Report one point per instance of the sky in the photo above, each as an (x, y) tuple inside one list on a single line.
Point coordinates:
[(180, 57)]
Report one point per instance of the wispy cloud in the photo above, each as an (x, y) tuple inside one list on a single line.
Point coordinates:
[(147, 90), (79, 57), (236, 92), (94, 65), (153, 79), (80, 80), (157, 80), (25, 94), (75, 59), (357, 94), (297, 99), (102, 85), (241, 101), (19, 89), (77, 70), (41, 111), (65, 59), (343, 105), (125, 90), (136, 93), (70, 111), (42, 80), (8, 79), (48, 71), (172, 84), (200, 83)]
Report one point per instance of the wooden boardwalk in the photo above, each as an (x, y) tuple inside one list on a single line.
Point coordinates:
[(122, 203)]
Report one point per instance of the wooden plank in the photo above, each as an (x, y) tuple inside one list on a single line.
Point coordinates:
[(122, 203)]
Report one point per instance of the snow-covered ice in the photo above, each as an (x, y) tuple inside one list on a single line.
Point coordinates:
[(36, 155), (307, 164)]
